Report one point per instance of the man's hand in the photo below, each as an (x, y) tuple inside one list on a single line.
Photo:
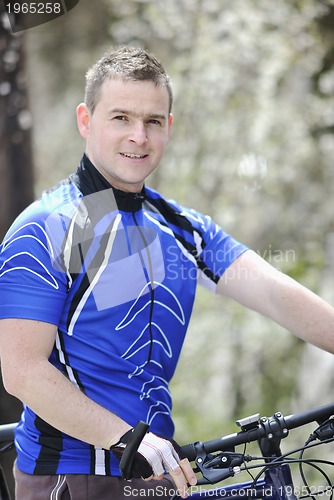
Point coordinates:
[(155, 455)]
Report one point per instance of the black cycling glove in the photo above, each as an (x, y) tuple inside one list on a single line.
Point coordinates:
[(155, 455)]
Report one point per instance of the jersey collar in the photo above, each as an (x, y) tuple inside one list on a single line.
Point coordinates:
[(90, 180)]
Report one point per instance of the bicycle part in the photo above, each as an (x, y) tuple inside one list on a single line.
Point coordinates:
[(278, 426), (131, 448)]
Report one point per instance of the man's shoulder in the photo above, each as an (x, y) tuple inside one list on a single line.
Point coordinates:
[(179, 215), (58, 202), (65, 192), (61, 199), (164, 202)]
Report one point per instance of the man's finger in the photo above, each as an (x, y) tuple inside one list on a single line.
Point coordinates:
[(148, 478), (158, 478), (180, 482), (188, 471)]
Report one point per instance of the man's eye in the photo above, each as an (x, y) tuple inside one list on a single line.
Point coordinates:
[(120, 118), (154, 122)]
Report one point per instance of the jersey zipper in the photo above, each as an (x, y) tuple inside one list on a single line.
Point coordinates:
[(149, 271)]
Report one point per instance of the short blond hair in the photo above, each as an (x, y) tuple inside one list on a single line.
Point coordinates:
[(129, 63)]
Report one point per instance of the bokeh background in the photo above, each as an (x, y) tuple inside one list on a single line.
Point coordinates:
[(252, 145)]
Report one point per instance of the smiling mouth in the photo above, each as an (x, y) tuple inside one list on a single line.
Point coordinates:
[(133, 156)]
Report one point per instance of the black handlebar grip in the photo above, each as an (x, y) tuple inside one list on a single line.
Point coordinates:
[(131, 448), (189, 451)]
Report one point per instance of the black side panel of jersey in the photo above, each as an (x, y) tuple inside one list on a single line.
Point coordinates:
[(51, 441)]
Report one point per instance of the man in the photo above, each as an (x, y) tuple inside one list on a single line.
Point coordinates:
[(93, 311)]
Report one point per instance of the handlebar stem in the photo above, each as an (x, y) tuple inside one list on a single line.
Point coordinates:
[(274, 430)]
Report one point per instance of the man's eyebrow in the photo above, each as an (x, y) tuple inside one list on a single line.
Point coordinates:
[(119, 111), (154, 116)]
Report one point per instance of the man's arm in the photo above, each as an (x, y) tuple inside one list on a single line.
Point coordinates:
[(25, 347), (255, 284)]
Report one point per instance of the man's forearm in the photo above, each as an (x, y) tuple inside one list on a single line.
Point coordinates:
[(57, 401), (303, 313)]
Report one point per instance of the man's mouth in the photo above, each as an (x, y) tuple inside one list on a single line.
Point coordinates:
[(133, 156)]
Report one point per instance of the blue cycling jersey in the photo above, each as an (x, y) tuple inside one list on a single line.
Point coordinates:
[(117, 273)]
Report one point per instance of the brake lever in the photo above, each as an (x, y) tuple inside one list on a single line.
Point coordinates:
[(325, 430), (216, 468)]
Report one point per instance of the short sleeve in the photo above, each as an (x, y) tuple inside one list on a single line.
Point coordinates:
[(216, 249), (32, 284)]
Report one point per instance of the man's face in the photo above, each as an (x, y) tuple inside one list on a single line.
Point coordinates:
[(128, 131)]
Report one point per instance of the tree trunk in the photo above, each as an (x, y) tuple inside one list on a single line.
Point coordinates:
[(16, 168)]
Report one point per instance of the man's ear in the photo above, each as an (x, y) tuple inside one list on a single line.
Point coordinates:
[(83, 120), (170, 123)]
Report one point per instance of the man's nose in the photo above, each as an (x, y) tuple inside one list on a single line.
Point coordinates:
[(138, 133)]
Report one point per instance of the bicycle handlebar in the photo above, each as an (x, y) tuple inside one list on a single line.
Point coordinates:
[(7, 432), (253, 429), (318, 415), (275, 425)]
